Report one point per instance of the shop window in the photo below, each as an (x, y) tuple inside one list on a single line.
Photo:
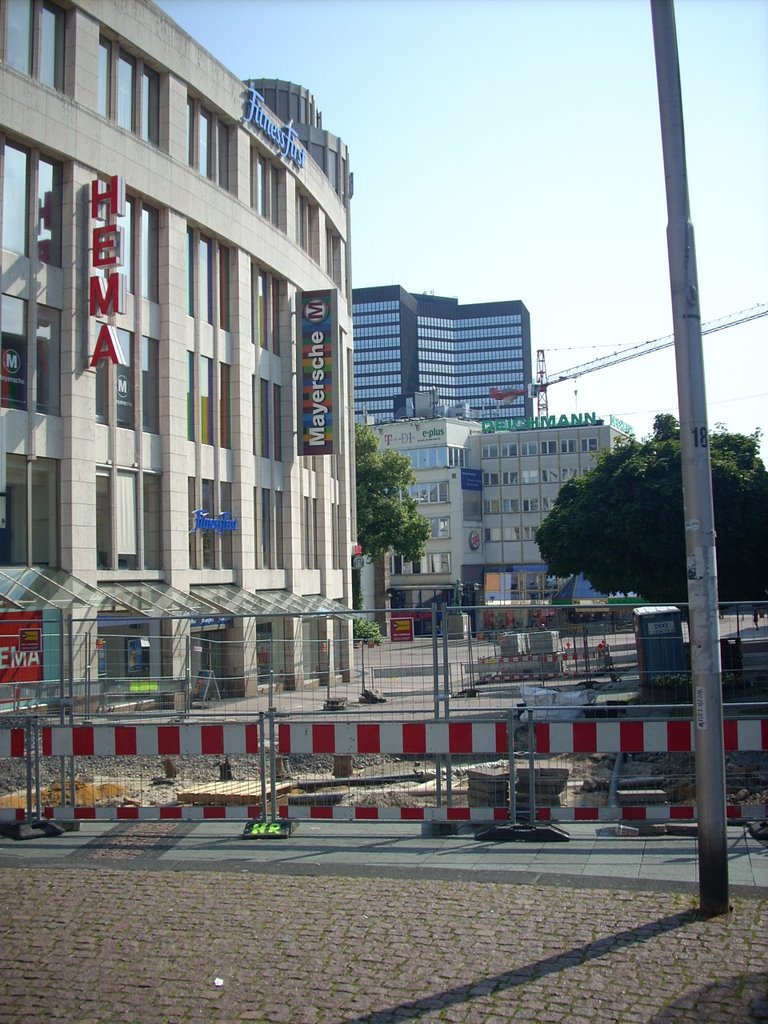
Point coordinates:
[(13, 382)]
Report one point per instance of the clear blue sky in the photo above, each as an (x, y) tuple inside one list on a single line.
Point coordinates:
[(511, 149)]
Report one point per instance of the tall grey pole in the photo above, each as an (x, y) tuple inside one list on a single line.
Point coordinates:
[(697, 477)]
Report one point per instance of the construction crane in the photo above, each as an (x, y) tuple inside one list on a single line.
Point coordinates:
[(538, 389)]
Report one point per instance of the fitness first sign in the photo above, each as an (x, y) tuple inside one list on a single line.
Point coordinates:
[(318, 330), (284, 137)]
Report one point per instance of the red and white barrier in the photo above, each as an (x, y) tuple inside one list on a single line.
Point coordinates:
[(648, 737), (442, 737), (149, 740)]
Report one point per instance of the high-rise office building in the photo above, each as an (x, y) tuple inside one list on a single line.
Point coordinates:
[(429, 354)]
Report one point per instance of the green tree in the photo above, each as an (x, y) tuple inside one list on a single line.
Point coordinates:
[(388, 519), (622, 523)]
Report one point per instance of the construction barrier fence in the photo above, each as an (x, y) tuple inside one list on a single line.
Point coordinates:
[(469, 770)]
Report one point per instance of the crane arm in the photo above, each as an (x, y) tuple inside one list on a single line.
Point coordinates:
[(655, 345)]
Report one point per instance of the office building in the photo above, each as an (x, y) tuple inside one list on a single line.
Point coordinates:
[(176, 326), (428, 355)]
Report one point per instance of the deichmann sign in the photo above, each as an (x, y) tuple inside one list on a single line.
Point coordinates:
[(586, 419), (107, 294), (285, 139), (223, 523), (318, 325)]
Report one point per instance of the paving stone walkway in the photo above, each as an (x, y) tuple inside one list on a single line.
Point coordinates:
[(95, 942)]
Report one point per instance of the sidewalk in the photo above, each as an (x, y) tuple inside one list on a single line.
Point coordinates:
[(170, 923)]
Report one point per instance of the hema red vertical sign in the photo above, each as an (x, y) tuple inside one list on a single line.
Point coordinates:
[(318, 327), (107, 294)]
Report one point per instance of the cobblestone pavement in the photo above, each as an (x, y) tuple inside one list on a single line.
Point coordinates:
[(112, 938)]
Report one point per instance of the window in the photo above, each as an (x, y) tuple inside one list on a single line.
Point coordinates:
[(568, 473), (15, 199), (48, 347), (530, 476), (439, 562), (150, 376), (49, 207), (153, 521), (150, 106), (125, 416), (528, 448), (203, 162), (191, 398), (510, 478), (206, 401), (589, 444), (52, 46), (222, 147), (429, 493), (490, 451), (149, 253), (226, 559), (568, 447), (127, 535), (509, 450), (441, 527), (29, 26), (205, 278), (266, 528), (510, 505), (103, 521), (264, 422), (207, 502), (549, 476), (13, 321), (225, 413), (276, 393), (104, 87), (224, 288), (126, 69), (490, 479), (18, 41), (549, 447), (128, 92), (530, 504)]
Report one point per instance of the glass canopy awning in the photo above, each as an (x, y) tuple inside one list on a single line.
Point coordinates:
[(237, 601)]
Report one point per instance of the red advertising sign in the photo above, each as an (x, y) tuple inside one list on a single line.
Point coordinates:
[(21, 649), (400, 629)]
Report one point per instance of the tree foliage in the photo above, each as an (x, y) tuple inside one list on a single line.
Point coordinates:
[(387, 517), (622, 523)]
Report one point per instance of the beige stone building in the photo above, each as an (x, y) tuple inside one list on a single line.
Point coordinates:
[(177, 429)]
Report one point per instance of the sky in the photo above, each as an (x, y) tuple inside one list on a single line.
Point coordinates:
[(511, 149)]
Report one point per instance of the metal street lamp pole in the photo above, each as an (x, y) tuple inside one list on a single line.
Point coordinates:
[(697, 477)]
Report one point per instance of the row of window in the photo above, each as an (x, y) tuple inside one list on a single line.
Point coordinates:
[(459, 321), (435, 563), (492, 506), (514, 478), (566, 446), (493, 534)]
